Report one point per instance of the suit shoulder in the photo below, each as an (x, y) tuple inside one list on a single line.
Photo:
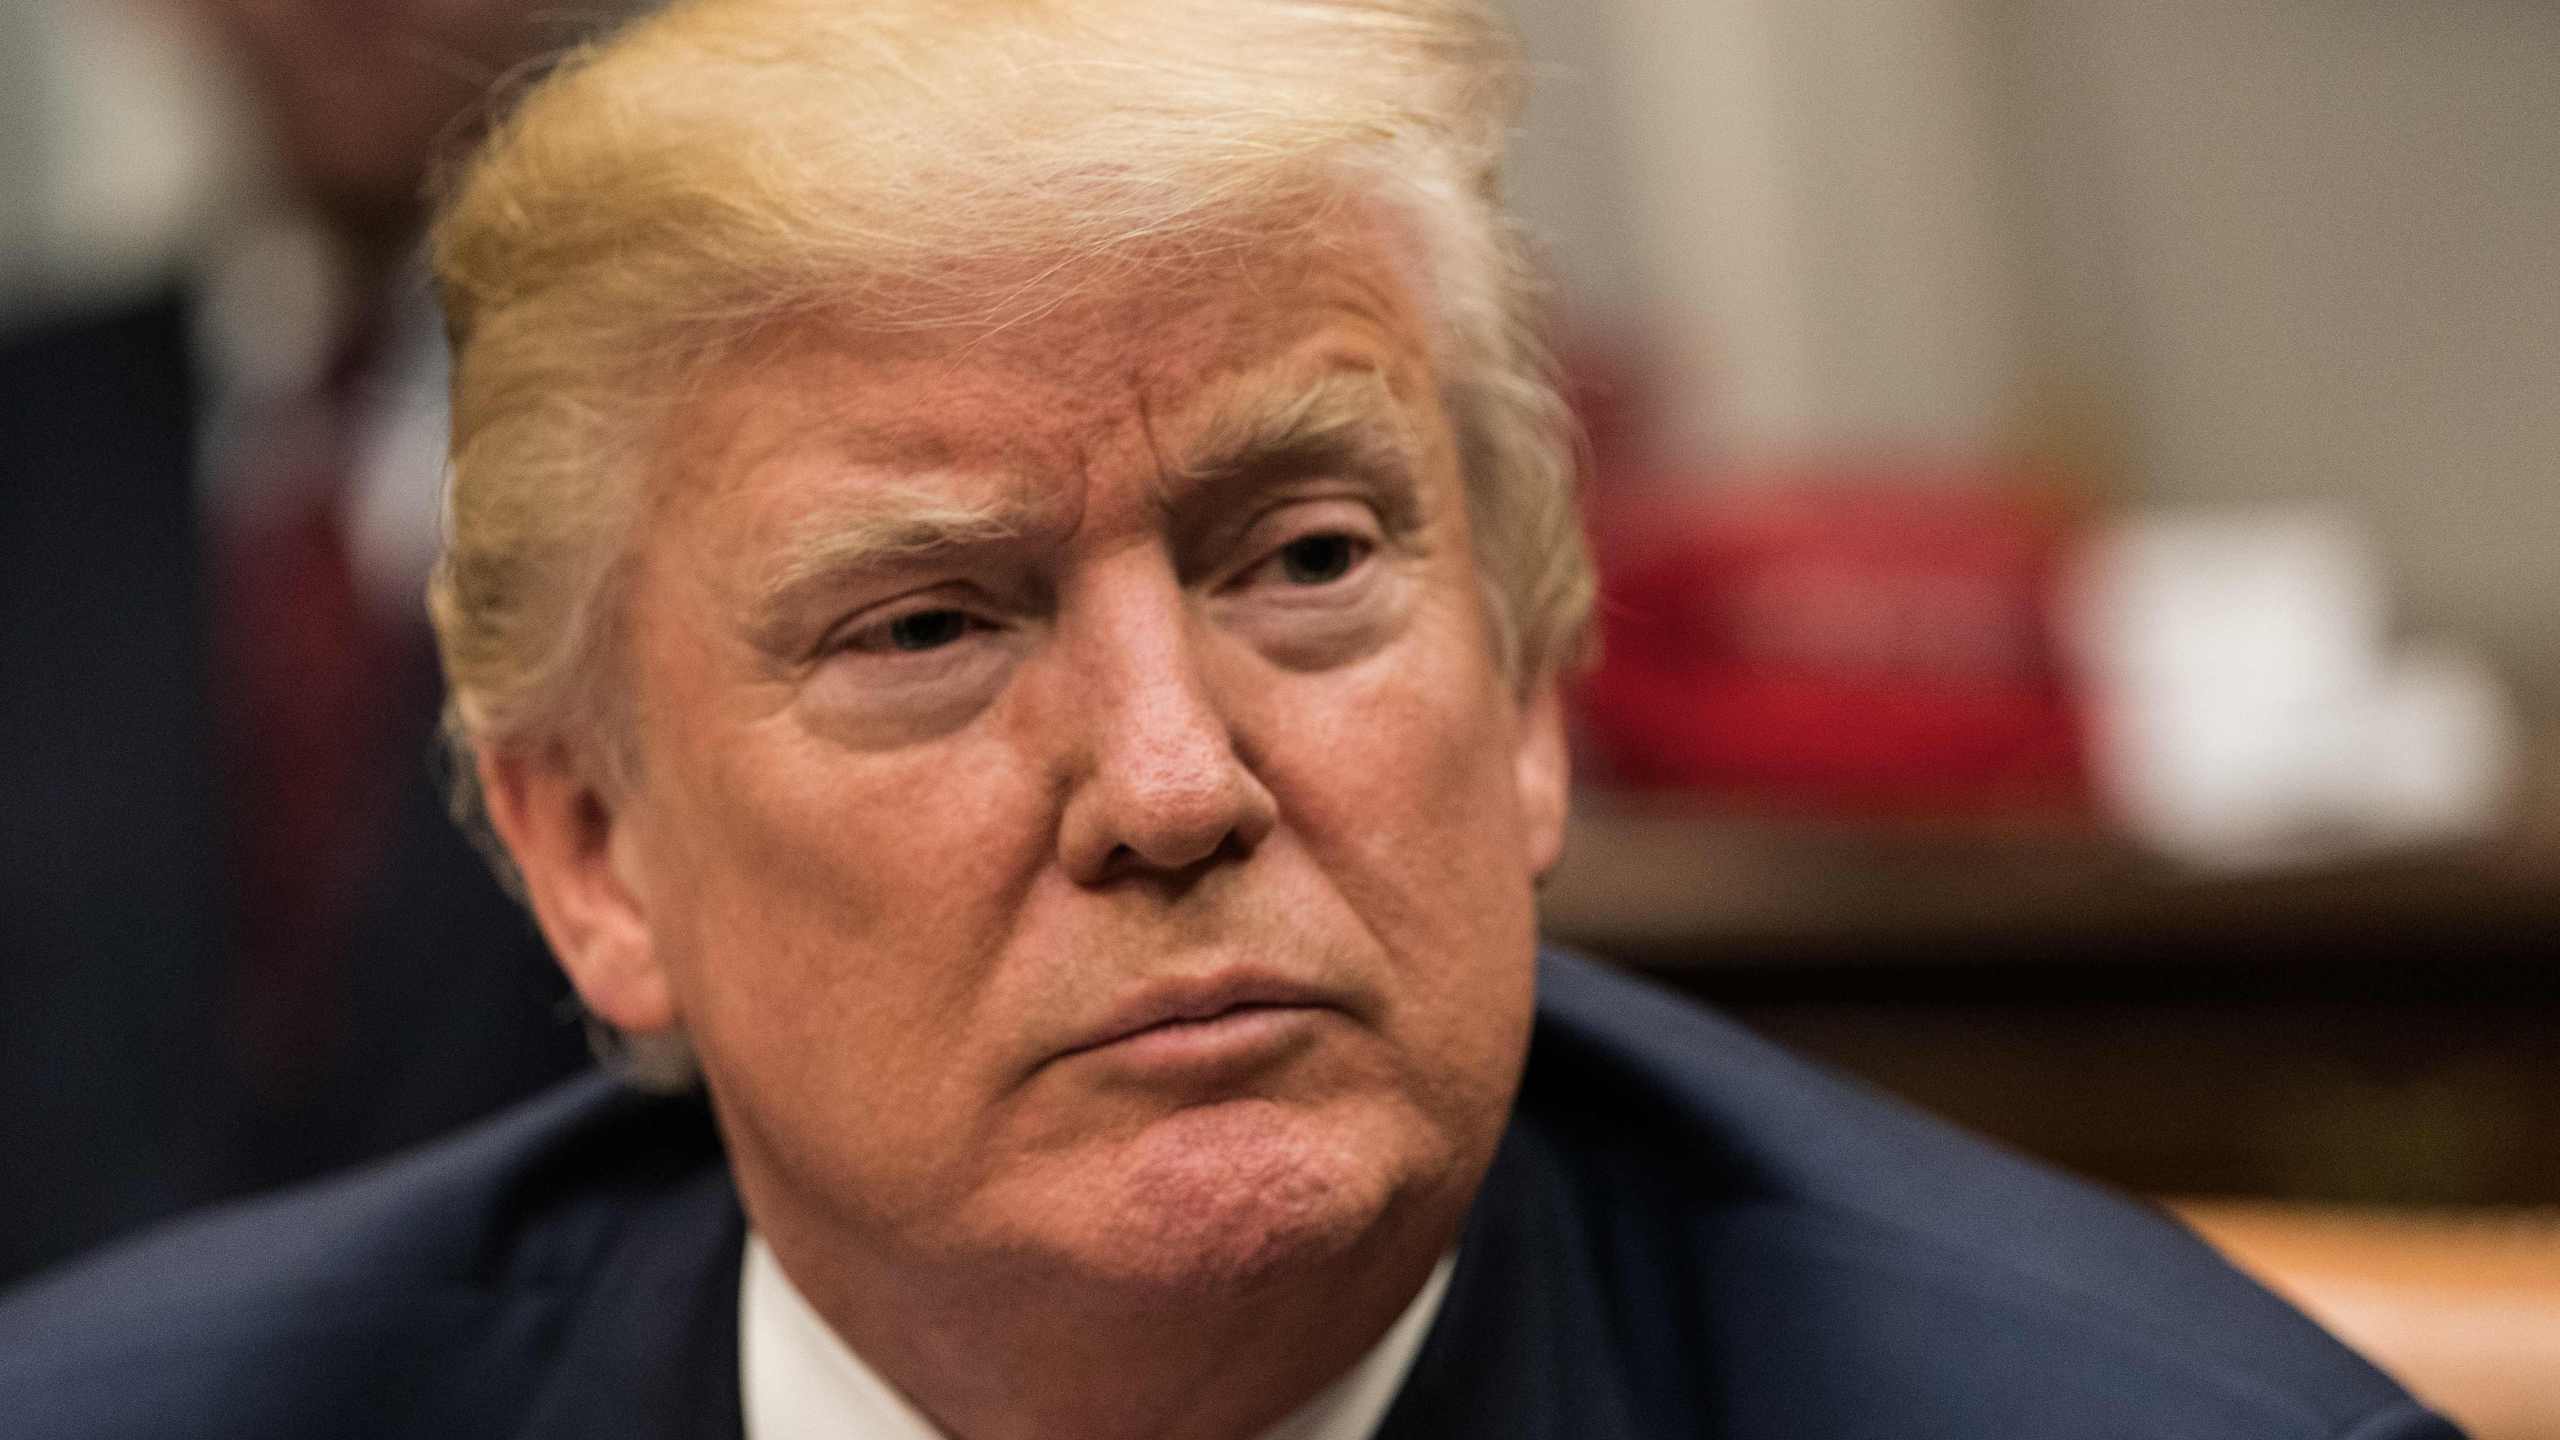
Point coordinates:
[(1876, 1236), (362, 1289)]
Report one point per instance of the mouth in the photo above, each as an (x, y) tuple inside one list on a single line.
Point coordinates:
[(1209, 1023)]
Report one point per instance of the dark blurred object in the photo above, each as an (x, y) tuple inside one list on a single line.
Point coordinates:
[(2382, 1031), (1836, 643), (361, 98), (307, 677), (240, 942), (125, 1093)]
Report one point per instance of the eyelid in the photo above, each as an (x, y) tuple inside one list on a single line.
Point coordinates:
[(874, 620), (1263, 547), (1272, 527)]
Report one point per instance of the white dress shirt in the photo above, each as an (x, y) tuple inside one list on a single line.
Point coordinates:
[(800, 1382)]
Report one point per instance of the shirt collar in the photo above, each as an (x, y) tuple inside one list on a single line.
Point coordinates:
[(800, 1382)]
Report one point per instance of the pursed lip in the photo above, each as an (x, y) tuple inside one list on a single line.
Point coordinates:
[(1189, 1000)]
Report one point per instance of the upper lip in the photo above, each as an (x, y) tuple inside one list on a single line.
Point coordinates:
[(1203, 997)]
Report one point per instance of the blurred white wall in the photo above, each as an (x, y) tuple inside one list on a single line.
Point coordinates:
[(116, 143), (1568, 164), (21, 155), (2221, 250), (1817, 209), (2314, 246), (24, 102)]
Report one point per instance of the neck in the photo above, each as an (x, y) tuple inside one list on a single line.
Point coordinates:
[(995, 1353)]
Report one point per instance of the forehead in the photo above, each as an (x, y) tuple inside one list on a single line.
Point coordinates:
[(1114, 361)]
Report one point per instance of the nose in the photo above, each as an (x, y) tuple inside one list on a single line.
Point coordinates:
[(1162, 787)]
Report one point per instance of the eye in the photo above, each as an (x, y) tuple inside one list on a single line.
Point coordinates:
[(914, 632), (925, 629), (1321, 559), (1320, 584)]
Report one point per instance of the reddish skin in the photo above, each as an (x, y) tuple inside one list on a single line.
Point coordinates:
[(909, 905)]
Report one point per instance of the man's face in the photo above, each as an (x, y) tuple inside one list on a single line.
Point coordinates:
[(1081, 821)]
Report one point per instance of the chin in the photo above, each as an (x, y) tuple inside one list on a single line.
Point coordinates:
[(1229, 1197)]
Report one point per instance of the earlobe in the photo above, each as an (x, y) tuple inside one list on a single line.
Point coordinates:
[(582, 878), (1545, 775)]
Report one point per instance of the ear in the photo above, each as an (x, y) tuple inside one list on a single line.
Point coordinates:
[(1545, 775), (575, 849)]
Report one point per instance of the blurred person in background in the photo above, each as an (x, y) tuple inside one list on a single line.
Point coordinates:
[(238, 940)]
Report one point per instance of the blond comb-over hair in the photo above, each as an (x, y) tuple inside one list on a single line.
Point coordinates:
[(723, 164)]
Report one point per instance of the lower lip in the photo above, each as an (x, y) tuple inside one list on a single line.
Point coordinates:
[(1244, 1038)]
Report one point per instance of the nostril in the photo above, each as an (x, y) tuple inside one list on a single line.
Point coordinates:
[(1126, 862)]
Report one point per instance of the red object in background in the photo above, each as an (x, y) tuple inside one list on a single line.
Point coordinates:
[(1883, 646)]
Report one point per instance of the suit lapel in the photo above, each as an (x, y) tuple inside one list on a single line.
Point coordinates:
[(1523, 1345), (650, 1340)]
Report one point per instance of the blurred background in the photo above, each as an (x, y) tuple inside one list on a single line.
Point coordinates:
[(2076, 488)]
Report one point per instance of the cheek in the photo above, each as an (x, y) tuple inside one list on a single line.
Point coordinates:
[(825, 915), (832, 915), (1406, 796), (1409, 758), (836, 945)]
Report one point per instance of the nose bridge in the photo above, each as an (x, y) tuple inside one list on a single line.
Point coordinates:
[(1162, 781), (1149, 676)]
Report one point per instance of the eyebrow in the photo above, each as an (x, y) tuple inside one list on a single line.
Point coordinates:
[(892, 525), (1346, 419)]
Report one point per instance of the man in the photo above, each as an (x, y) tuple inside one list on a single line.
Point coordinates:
[(242, 942), (1008, 572)]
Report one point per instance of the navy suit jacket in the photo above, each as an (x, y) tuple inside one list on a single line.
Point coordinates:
[(1686, 1233)]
